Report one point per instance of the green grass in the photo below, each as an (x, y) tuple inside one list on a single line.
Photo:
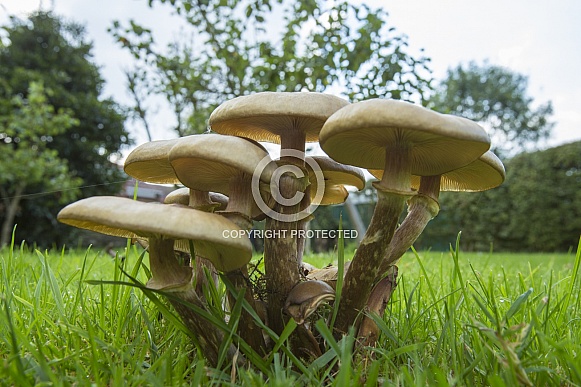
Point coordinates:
[(455, 318)]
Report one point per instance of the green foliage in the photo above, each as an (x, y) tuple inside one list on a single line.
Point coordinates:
[(537, 208), (25, 159), (47, 50), (454, 319), (239, 47), (497, 98)]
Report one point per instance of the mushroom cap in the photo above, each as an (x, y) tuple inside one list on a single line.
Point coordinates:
[(128, 218), (328, 274), (267, 116), (182, 196), (148, 162), (207, 162), (336, 173), (305, 298), (305, 291), (359, 134), (178, 196), (336, 176), (333, 194), (484, 173)]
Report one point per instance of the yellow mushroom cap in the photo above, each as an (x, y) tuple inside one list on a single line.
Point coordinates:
[(148, 162), (215, 238), (360, 133), (336, 177), (267, 116), (485, 173), (305, 298), (182, 196), (208, 162)]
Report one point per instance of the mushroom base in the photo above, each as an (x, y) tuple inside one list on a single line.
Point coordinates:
[(380, 295)]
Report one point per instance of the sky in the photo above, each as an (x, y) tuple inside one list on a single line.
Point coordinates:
[(538, 38)]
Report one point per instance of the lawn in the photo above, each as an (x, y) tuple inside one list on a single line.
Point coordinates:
[(456, 318)]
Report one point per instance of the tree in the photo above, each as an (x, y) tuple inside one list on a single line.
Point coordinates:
[(537, 208), (497, 98), (48, 50), (25, 159), (240, 47)]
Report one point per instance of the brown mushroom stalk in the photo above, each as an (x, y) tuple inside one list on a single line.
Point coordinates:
[(166, 272), (392, 192), (422, 208), (364, 269), (280, 251)]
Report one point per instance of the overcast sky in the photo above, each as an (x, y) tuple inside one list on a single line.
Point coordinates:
[(538, 38)]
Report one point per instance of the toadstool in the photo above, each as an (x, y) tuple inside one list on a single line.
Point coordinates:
[(403, 139)]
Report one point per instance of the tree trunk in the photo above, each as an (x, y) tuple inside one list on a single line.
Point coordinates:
[(11, 208)]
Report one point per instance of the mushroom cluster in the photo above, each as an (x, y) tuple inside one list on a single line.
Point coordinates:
[(230, 181)]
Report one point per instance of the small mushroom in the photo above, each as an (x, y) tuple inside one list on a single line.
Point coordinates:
[(336, 176), (305, 298), (149, 162), (404, 139), (161, 225), (225, 164), (182, 196), (328, 274)]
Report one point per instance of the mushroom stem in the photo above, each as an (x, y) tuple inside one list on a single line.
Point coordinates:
[(423, 207), (397, 171), (392, 191), (293, 140), (166, 272), (302, 225), (238, 211), (200, 200), (239, 206), (280, 254), (209, 337), (169, 276), (247, 328), (364, 269)]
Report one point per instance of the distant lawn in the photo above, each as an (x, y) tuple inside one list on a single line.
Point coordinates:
[(501, 319)]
